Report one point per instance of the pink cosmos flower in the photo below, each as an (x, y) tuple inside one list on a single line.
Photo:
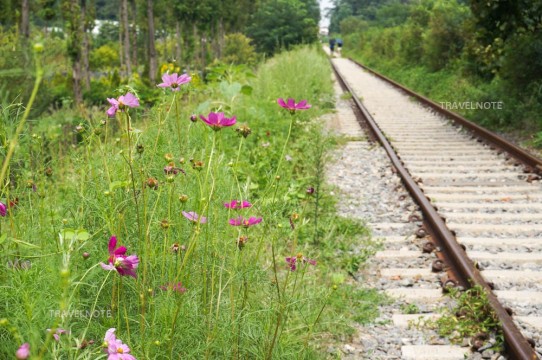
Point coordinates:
[(118, 261), (174, 287), (170, 169), (235, 204), (121, 103), (194, 217), (294, 260), (217, 120), (23, 352), (3, 209), (174, 81), (240, 221), (115, 348), (292, 106), (58, 332)]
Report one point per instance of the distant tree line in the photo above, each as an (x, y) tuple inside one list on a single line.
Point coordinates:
[(496, 42), (139, 35)]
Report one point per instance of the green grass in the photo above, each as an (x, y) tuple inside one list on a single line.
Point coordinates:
[(78, 186)]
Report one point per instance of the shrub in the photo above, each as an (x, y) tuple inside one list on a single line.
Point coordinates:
[(104, 58), (238, 50), (444, 37)]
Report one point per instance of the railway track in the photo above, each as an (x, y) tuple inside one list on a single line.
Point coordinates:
[(476, 191)]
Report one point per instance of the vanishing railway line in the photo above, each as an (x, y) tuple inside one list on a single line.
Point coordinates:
[(476, 191)]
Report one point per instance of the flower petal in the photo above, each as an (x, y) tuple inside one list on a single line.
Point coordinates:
[(112, 111), (108, 267), (291, 103), (130, 100), (120, 251), (112, 244)]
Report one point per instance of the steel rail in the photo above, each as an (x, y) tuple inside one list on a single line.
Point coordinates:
[(499, 142), (456, 257)]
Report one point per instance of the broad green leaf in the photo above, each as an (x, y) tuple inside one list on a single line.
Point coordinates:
[(246, 90)]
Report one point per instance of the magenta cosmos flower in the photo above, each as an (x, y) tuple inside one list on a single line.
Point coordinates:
[(23, 352), (58, 332), (3, 209), (292, 106), (118, 261), (194, 217), (241, 221), (235, 204), (115, 348), (217, 120), (293, 261), (178, 287), (120, 104), (174, 81)]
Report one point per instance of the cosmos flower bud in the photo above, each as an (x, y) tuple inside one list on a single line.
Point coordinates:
[(165, 224), (152, 183), (243, 131)]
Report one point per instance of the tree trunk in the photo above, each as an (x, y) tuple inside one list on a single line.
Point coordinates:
[(196, 46), (85, 68), (220, 38), (152, 48), (126, 40), (121, 45), (203, 54), (178, 43), (134, 35), (214, 41), (25, 19), (76, 79)]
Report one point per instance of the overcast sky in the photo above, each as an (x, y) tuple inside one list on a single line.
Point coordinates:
[(323, 5)]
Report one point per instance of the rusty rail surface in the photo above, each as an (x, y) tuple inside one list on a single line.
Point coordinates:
[(464, 269)]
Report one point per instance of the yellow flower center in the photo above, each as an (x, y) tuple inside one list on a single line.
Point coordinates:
[(120, 351)]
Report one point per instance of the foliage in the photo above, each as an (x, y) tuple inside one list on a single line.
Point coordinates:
[(104, 58), (280, 24), (471, 316), (444, 39), (453, 52), (238, 50), (80, 177)]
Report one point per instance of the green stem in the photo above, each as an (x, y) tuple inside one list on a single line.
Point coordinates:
[(134, 191), (20, 126)]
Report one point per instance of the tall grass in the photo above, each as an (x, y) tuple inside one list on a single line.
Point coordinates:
[(203, 290)]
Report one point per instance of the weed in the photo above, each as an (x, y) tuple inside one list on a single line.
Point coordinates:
[(346, 95), (471, 316)]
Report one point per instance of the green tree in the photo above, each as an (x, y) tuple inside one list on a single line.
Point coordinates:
[(283, 23), (71, 12)]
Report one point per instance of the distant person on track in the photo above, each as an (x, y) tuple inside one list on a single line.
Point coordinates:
[(339, 42), (332, 46)]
